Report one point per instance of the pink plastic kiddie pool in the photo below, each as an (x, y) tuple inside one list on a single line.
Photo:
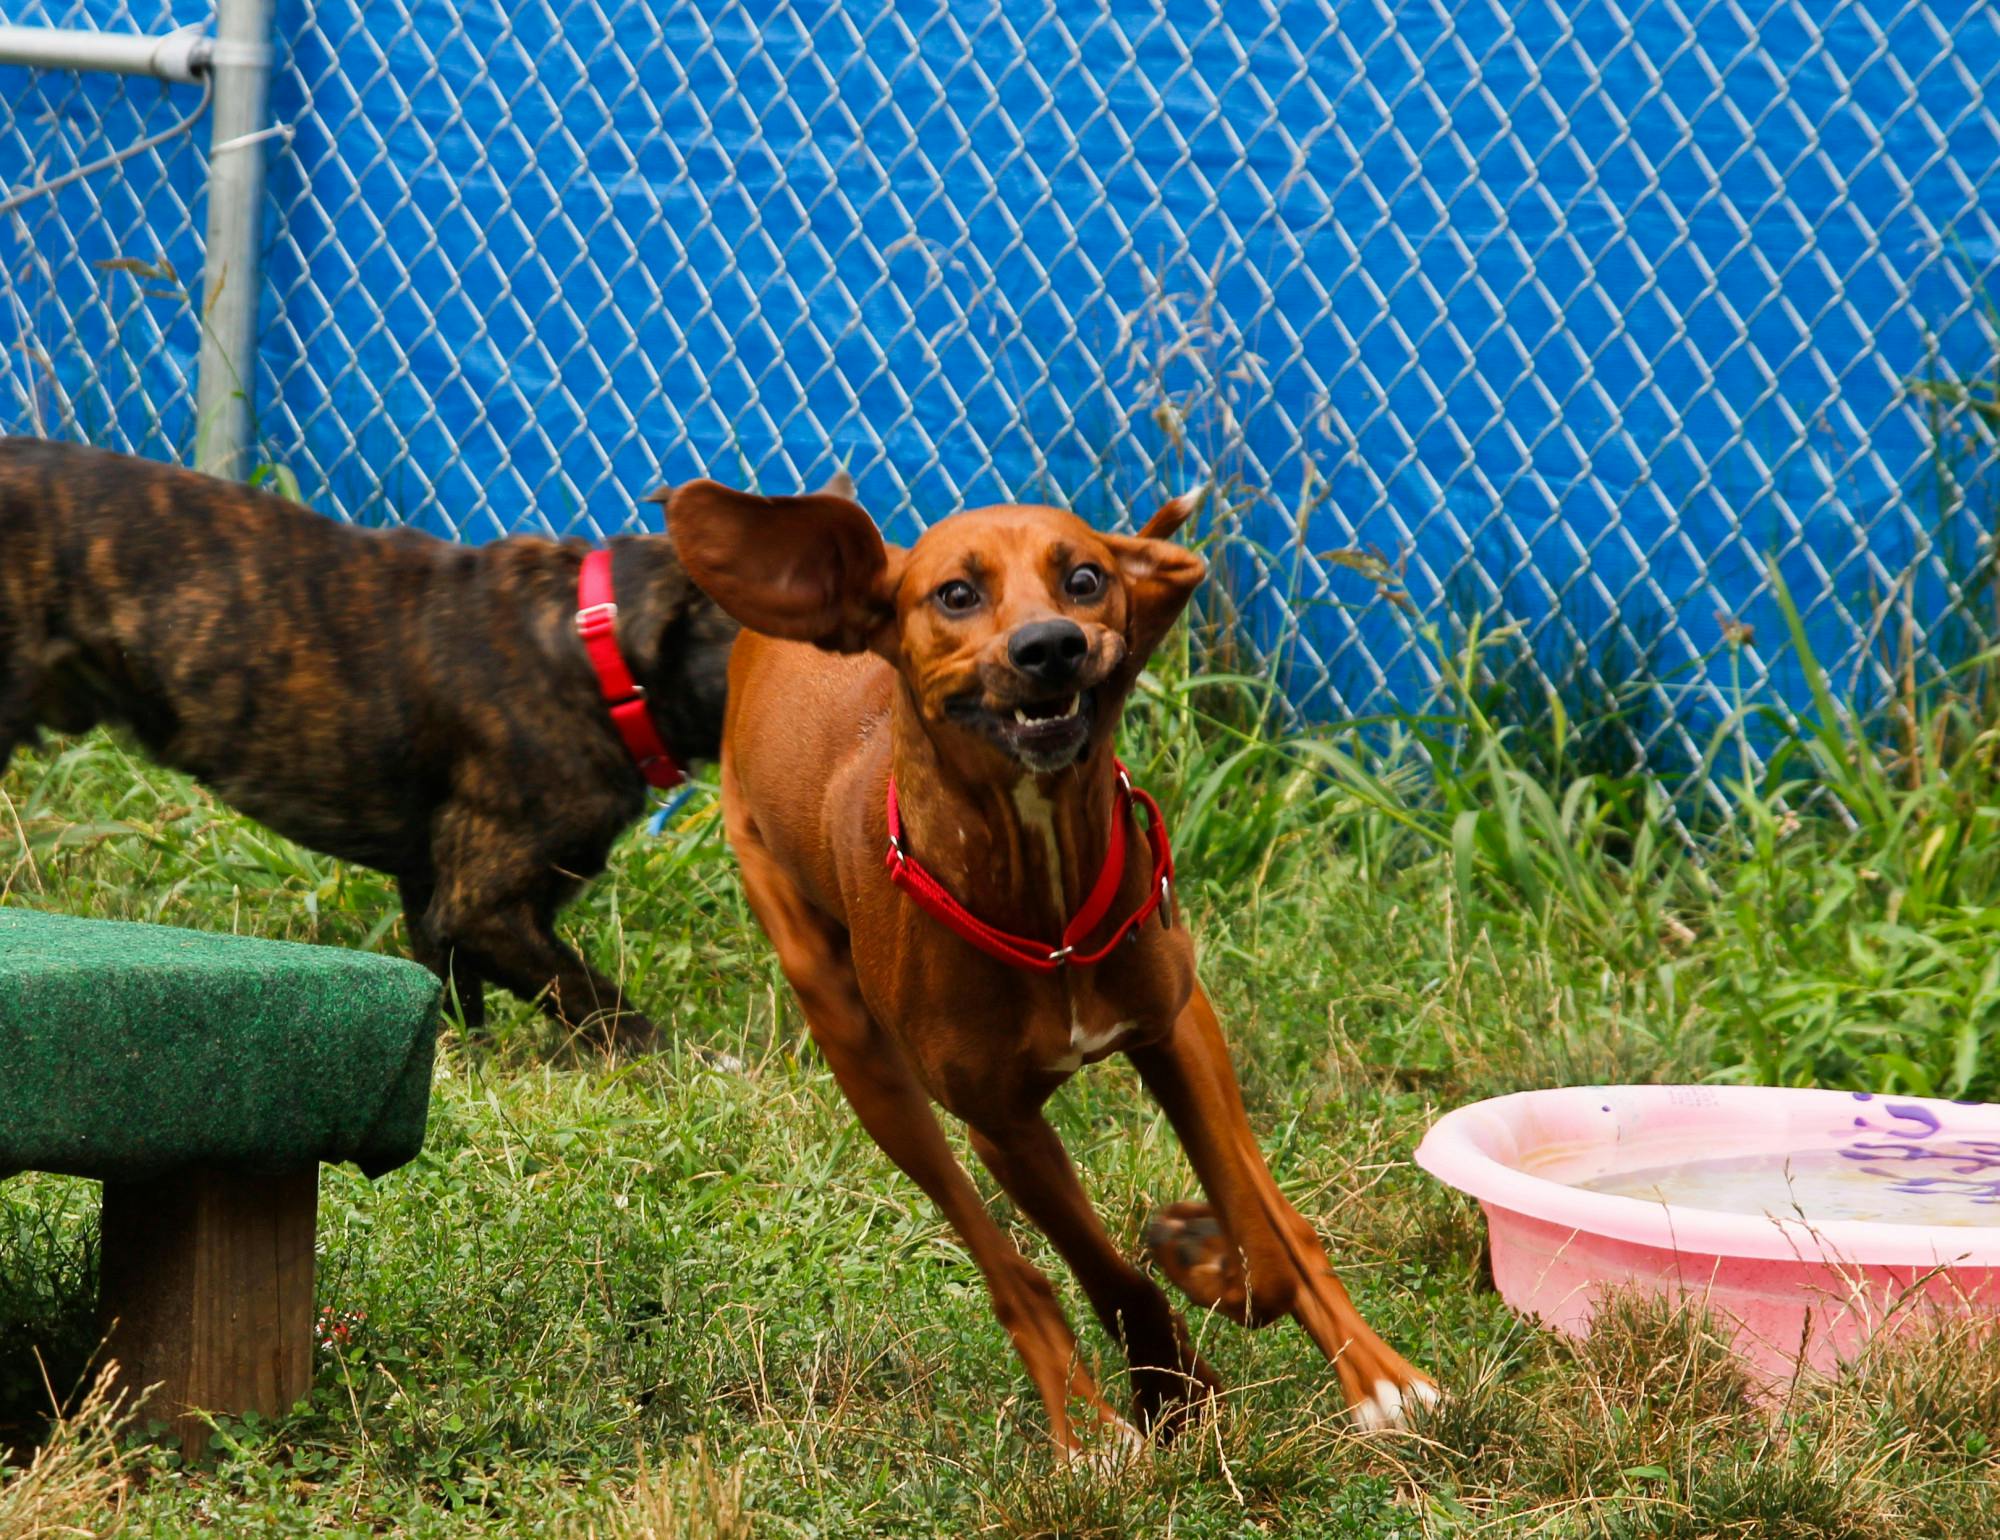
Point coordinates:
[(1806, 1220)]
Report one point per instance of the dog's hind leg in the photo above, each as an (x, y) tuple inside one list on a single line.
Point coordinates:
[(893, 1106), (1169, 1378), (1252, 1255)]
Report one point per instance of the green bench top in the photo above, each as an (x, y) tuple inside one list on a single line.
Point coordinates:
[(130, 1051)]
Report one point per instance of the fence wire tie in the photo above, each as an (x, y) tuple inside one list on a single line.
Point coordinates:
[(282, 131)]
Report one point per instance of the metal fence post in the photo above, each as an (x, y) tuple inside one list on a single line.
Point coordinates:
[(232, 280)]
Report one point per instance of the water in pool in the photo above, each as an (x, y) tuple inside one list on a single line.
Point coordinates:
[(1951, 1183)]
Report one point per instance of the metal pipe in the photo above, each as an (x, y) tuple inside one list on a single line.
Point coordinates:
[(232, 268), (179, 56)]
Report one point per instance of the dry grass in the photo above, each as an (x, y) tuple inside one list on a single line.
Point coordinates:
[(74, 1485), (686, 1500)]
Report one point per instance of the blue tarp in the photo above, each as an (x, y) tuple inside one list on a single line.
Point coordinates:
[(1579, 309)]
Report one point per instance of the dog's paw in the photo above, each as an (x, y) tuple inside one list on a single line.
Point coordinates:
[(1166, 1401), (612, 1038), (1390, 1405), (1186, 1242), (1114, 1445), (715, 1060)]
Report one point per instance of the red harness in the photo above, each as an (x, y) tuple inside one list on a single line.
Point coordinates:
[(929, 895), (597, 624)]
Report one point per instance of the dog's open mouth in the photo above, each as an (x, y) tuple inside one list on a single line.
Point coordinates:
[(1044, 712), (1043, 734)]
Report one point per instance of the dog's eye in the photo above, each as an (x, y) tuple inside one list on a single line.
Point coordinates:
[(1085, 582), (956, 597)]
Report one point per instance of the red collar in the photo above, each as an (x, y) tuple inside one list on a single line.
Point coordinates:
[(929, 895), (597, 624)]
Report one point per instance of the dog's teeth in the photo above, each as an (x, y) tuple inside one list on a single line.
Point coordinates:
[(1043, 715)]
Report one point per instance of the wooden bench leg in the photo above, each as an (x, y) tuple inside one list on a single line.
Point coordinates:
[(207, 1291)]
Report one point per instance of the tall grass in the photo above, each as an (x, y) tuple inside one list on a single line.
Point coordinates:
[(1866, 953), (1839, 920), (1823, 904)]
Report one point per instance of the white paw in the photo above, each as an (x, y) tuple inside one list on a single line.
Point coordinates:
[(1390, 1403), (1116, 1446), (716, 1061)]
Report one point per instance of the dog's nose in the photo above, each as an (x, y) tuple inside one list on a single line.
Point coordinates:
[(1049, 651)]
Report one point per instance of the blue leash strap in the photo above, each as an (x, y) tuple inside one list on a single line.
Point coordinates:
[(674, 803)]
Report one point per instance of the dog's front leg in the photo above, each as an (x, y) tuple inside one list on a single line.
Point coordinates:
[(1169, 1378), (1252, 1254), (460, 974), (18, 686), (892, 1105), (516, 946), (898, 1115), (494, 911)]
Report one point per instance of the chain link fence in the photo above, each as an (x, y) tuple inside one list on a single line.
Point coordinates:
[(100, 281), (1588, 318)]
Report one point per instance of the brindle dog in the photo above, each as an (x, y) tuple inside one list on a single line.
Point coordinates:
[(383, 696)]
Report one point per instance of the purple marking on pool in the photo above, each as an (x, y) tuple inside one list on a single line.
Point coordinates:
[(1970, 1157), (1923, 1117)]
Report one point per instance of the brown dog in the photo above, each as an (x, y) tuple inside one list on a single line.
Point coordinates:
[(389, 698), (986, 668)]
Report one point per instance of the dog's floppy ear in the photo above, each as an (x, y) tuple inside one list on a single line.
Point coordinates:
[(1160, 577), (1172, 514), (807, 569)]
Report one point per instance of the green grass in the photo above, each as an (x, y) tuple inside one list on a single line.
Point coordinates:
[(664, 1300)]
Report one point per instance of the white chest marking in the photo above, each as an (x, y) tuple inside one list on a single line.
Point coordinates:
[(1084, 1041), (1039, 814)]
